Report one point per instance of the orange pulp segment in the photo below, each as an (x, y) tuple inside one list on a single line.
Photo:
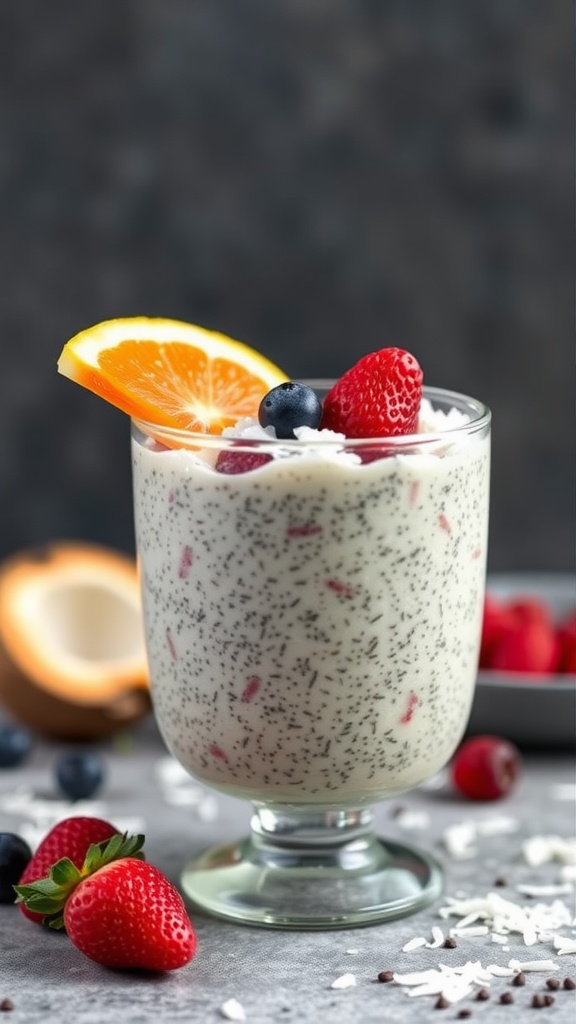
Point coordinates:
[(170, 373)]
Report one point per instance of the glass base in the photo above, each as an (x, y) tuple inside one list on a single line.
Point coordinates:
[(305, 869)]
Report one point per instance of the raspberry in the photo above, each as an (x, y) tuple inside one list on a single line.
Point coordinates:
[(486, 768), (379, 396)]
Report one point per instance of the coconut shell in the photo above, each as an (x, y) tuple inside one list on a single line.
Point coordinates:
[(72, 656)]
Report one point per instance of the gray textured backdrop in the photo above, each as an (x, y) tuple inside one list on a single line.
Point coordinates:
[(316, 177)]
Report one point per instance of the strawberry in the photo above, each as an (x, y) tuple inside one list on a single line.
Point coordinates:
[(379, 396), (230, 461), (117, 909), (69, 838)]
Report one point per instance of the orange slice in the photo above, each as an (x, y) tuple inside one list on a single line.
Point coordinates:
[(170, 373)]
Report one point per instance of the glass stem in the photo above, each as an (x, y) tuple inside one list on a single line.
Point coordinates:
[(338, 839)]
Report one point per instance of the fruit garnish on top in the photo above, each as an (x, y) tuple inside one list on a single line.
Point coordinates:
[(179, 376), (170, 373), (380, 396)]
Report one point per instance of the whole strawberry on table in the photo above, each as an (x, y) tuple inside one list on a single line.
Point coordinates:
[(117, 909)]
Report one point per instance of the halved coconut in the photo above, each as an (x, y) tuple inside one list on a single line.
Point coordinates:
[(72, 655)]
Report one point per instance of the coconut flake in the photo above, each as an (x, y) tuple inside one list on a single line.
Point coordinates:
[(413, 820), (437, 938), (533, 965), (476, 929), (344, 981), (414, 943), (534, 923), (564, 945), (539, 850), (233, 1010), (545, 890), (498, 971), (459, 840)]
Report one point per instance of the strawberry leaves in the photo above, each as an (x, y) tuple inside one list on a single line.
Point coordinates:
[(47, 896)]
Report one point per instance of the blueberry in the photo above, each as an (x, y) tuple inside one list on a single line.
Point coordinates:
[(80, 774), (14, 856), (15, 744), (290, 405)]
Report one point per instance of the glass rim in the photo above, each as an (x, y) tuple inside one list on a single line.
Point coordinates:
[(479, 413)]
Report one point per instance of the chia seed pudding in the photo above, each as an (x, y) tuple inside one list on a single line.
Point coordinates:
[(313, 624)]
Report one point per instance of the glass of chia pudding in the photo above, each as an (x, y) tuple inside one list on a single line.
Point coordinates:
[(313, 612)]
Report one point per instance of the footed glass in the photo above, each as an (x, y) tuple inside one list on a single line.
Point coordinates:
[(313, 612)]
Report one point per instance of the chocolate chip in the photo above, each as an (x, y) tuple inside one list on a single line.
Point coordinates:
[(519, 979), (6, 1005), (386, 976), (538, 1002), (569, 983), (501, 881), (548, 1000), (482, 995), (463, 1014), (441, 1003), (553, 984), (507, 998), (450, 943)]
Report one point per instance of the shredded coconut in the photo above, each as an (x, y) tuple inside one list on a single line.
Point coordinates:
[(564, 945), (413, 820), (545, 890), (233, 1010), (344, 981), (460, 838), (537, 923), (540, 850), (414, 943)]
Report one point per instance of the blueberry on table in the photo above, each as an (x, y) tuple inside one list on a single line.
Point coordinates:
[(14, 856), (290, 405), (15, 745), (80, 774)]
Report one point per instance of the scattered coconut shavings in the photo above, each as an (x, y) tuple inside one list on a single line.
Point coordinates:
[(412, 821), (533, 965), (437, 938), (454, 983), (475, 929), (344, 981), (352, 952), (564, 945), (545, 890), (539, 850), (537, 923), (460, 838), (414, 943), (233, 1010)]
